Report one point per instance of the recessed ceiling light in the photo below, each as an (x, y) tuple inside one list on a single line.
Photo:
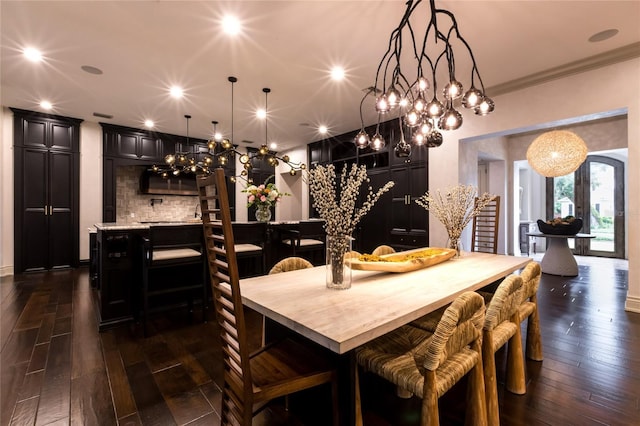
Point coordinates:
[(176, 92), (231, 25), (32, 54), (323, 130), (603, 35), (46, 105), (91, 70), (337, 73), (273, 145), (149, 123), (261, 114)]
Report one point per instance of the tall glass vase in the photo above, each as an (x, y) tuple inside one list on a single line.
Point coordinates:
[(263, 213), (338, 271), (455, 242)]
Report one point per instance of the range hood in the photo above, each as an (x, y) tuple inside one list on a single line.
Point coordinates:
[(153, 183)]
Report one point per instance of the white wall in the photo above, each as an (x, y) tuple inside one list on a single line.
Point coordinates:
[(90, 182), (6, 193)]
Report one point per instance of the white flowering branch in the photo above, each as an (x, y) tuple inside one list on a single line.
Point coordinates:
[(339, 209), (456, 207)]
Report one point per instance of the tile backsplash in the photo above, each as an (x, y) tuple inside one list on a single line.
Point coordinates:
[(132, 206)]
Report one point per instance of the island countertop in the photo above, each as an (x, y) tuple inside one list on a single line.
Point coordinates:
[(118, 226)]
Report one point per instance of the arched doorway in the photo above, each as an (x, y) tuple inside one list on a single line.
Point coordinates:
[(594, 192)]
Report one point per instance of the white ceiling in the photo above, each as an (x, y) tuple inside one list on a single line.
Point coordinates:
[(144, 47)]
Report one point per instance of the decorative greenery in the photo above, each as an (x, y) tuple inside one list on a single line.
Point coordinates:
[(263, 195), (339, 210), (338, 206), (455, 208)]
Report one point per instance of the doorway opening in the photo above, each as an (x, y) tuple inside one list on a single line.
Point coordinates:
[(595, 193)]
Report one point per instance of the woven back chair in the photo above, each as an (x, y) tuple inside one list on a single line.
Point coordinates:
[(429, 364), (383, 249), (253, 379), (501, 325), (290, 264), (529, 309)]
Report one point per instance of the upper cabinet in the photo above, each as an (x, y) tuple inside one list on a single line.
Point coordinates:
[(129, 143), (45, 131)]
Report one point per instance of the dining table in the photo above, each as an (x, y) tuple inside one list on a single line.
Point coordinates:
[(376, 303)]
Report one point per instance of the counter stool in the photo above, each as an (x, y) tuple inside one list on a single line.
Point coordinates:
[(172, 263)]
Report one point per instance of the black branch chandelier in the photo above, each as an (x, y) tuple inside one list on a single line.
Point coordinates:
[(424, 104), (220, 151)]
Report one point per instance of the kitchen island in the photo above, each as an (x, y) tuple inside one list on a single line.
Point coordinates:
[(118, 264)]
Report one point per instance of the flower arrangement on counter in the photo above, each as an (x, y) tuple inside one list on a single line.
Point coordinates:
[(455, 208), (263, 195)]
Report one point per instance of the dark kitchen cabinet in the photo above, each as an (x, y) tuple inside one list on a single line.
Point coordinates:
[(126, 146), (118, 275), (409, 221), (395, 219), (46, 191), (129, 143)]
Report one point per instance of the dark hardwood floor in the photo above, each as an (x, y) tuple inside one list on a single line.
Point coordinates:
[(56, 369)]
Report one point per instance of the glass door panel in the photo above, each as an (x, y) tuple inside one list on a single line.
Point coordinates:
[(594, 193), (602, 206)]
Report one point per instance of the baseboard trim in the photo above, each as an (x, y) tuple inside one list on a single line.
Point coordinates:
[(632, 304), (6, 271)]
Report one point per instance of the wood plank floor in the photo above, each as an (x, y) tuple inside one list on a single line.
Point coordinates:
[(56, 369)]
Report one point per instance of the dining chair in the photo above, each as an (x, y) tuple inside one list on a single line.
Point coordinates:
[(529, 309), (383, 249), (484, 231), (502, 325), (290, 264), (173, 264), (251, 379), (429, 364)]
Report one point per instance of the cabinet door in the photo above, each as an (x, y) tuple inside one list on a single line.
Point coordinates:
[(31, 243), (62, 243), (373, 229), (418, 186), (400, 213), (34, 133), (149, 148), (127, 145), (61, 136)]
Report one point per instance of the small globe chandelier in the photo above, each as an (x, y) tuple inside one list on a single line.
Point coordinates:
[(429, 100), (220, 151), (556, 153)]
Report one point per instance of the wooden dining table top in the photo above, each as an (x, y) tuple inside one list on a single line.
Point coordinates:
[(376, 303)]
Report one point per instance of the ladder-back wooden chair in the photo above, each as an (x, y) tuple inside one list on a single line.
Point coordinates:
[(484, 237), (251, 380)]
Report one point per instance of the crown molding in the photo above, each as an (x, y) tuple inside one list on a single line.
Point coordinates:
[(621, 54)]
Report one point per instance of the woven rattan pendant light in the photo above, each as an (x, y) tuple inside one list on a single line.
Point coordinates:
[(556, 153)]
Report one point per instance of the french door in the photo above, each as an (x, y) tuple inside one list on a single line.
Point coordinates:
[(595, 193)]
